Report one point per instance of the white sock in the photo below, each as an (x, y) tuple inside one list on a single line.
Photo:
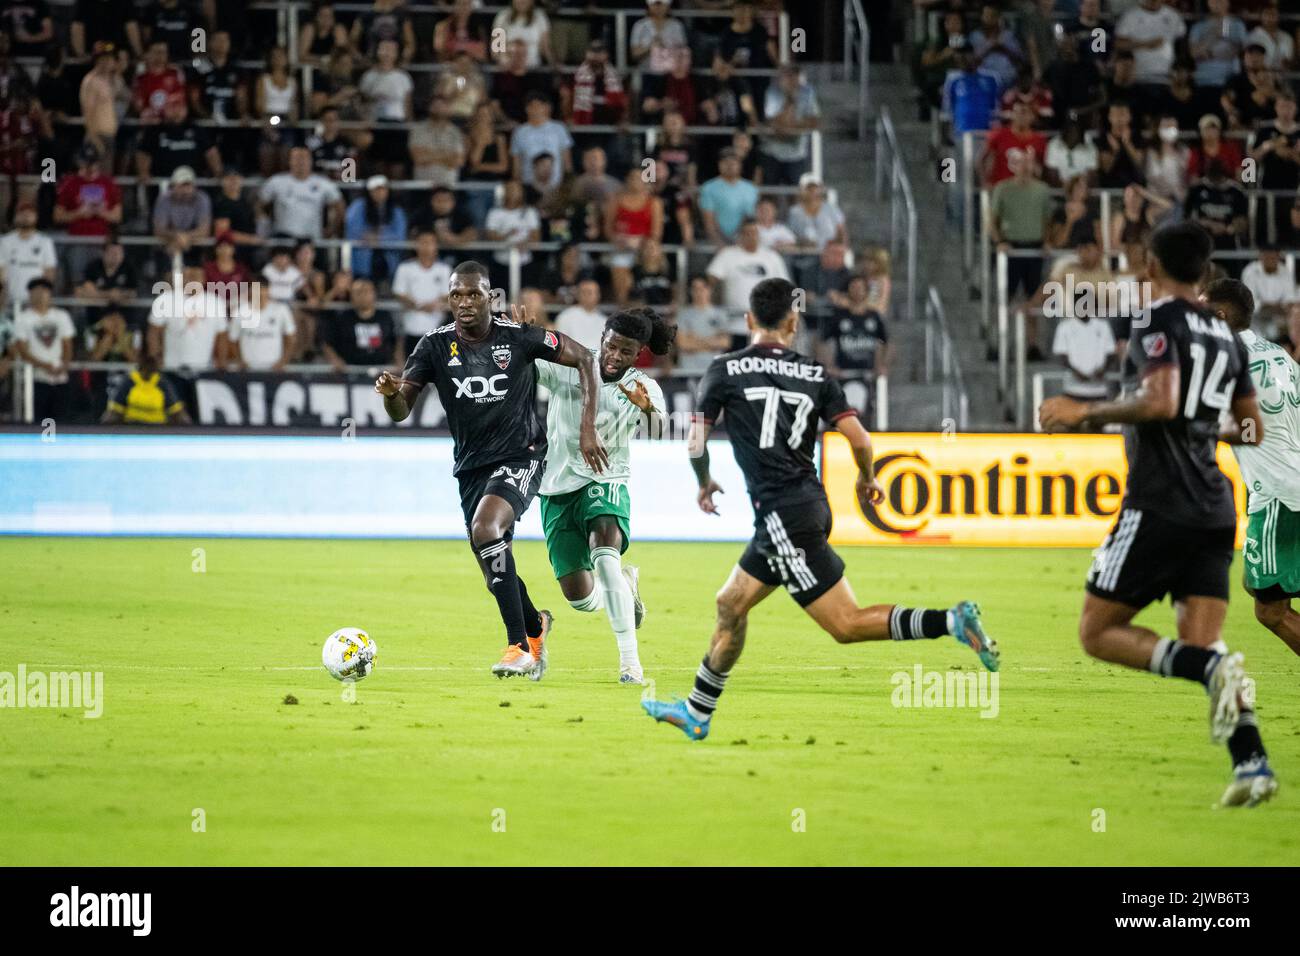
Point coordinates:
[(592, 602), (618, 603)]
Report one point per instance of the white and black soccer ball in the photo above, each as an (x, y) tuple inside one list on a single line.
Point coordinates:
[(349, 654)]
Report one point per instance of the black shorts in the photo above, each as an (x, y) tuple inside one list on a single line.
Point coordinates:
[(1146, 556), (1024, 272), (516, 481), (790, 548)]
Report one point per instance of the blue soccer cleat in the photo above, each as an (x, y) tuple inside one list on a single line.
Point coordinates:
[(1252, 784), (675, 713), (966, 627)]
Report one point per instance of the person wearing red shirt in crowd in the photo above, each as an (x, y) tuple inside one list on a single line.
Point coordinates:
[(1213, 146), (1019, 135), (598, 95), (1035, 94), (157, 85), (88, 203), (22, 124), (224, 270)]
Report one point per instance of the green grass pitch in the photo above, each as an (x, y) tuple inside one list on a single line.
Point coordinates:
[(437, 762)]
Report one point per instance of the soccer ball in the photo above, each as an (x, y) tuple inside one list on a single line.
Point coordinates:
[(349, 654)]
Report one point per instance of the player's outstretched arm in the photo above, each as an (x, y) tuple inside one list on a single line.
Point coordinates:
[(698, 444), (573, 355), (399, 395), (1247, 424), (1156, 400), (868, 488)]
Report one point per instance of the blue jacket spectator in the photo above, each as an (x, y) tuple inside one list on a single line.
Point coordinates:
[(370, 219)]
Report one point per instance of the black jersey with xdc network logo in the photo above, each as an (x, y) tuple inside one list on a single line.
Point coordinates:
[(1172, 469), (488, 389), (772, 398)]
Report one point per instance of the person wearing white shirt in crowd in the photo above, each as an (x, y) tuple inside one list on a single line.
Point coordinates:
[(583, 321), (740, 267), (187, 327), (262, 334), (1150, 31), (1274, 289), (282, 275), (25, 254), (657, 37), (701, 330), (771, 233), (1068, 155), (1085, 345), (1279, 49), (521, 20), (43, 337), (514, 222), (421, 284), (814, 219), (301, 203)]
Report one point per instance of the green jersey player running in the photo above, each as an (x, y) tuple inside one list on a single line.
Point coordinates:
[(1270, 468), (585, 514)]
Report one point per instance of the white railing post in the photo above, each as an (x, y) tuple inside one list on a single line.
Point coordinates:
[(985, 263), (1020, 368), (783, 37), (27, 391), (882, 403), (1037, 393), (1105, 225), (516, 272), (620, 40), (1003, 330), (968, 197)]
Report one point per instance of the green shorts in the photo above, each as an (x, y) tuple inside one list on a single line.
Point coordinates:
[(1272, 553), (565, 519)]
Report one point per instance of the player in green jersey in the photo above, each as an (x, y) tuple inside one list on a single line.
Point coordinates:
[(585, 514), (1270, 469)]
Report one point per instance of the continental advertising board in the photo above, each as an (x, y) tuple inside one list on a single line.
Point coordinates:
[(994, 490)]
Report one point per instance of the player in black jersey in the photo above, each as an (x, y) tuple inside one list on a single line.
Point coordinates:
[(1177, 523), (772, 398), (483, 370)]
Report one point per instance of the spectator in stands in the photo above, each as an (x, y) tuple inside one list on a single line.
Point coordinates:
[(735, 269), (89, 205), (514, 83), (1165, 169), (330, 147), (751, 167), (386, 23), (1079, 208), (487, 159), (308, 297), (1075, 83), (792, 112), (1069, 155), (110, 279), (1039, 26), (1130, 283), (24, 126), (450, 223), (225, 275), (513, 222), (583, 321), (232, 213), (996, 46), (463, 87), (158, 84), (1248, 98), (388, 89), (1085, 344), (676, 149), (813, 220), (701, 329), (98, 95), (175, 142), (598, 96), (25, 254), (653, 277), (1122, 86), (1274, 289), (631, 216), (1120, 150), (1216, 42), (421, 286), (262, 332), (523, 21), (282, 275), (569, 267), (437, 146), (745, 44), (172, 23), (1020, 208), (970, 98), (935, 60), (854, 341), (1183, 100), (1279, 49), (1213, 146), (275, 103), (182, 216), (1020, 136), (826, 278), (1092, 35), (336, 85), (533, 305), (725, 99), (1219, 205), (115, 340), (461, 32), (1140, 212), (299, 203), (1277, 152), (1149, 31), (874, 263), (656, 37), (218, 92), (362, 335), (43, 336), (726, 201), (371, 220), (771, 233), (321, 36), (144, 396), (187, 326), (1033, 94), (112, 22), (540, 134)]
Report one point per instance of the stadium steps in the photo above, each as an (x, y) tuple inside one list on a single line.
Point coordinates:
[(849, 166)]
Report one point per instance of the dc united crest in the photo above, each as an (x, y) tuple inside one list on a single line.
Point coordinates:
[(501, 355)]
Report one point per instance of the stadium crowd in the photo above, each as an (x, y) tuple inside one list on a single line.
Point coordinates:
[(1179, 110), (344, 174)]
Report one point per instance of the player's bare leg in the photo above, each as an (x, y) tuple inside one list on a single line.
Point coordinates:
[(838, 614), (1281, 619), (741, 594), (490, 532)]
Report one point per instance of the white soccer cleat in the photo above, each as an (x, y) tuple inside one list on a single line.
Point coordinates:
[(632, 574), (1253, 783), (631, 674), (515, 662), (1227, 681)]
